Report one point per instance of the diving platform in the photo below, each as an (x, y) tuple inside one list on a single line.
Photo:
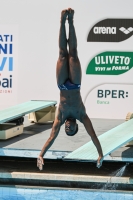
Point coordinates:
[(12, 118), (34, 135), (110, 141), (22, 109)]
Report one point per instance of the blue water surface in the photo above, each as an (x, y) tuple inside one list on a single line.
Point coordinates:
[(15, 193)]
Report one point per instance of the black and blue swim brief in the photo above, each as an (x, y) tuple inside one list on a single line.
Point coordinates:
[(68, 85)]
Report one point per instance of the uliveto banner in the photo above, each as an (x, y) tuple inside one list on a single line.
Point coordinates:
[(110, 63)]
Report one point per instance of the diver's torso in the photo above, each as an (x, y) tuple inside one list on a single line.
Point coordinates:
[(71, 105)]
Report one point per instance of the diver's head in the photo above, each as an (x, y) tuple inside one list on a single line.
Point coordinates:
[(71, 127)]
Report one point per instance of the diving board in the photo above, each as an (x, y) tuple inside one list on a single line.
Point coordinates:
[(15, 115), (20, 110), (110, 141)]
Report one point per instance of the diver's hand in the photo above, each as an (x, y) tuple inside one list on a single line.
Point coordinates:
[(40, 162), (99, 161)]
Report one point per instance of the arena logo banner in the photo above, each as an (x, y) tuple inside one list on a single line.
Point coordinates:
[(111, 30), (110, 63), (8, 65)]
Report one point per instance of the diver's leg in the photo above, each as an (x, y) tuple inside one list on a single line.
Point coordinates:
[(74, 64), (62, 73)]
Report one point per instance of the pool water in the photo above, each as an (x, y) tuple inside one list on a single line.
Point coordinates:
[(16, 193)]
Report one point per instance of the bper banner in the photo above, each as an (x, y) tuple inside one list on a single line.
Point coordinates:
[(111, 30), (110, 100)]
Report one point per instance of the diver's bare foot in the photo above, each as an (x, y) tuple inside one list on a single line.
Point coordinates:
[(70, 14), (64, 15)]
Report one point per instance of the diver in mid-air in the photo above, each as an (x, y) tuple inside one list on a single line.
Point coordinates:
[(71, 107)]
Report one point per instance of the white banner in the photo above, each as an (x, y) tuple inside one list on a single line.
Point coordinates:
[(104, 57), (111, 101), (8, 65)]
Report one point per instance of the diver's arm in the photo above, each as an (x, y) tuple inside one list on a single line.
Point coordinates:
[(89, 128), (53, 135), (49, 142)]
